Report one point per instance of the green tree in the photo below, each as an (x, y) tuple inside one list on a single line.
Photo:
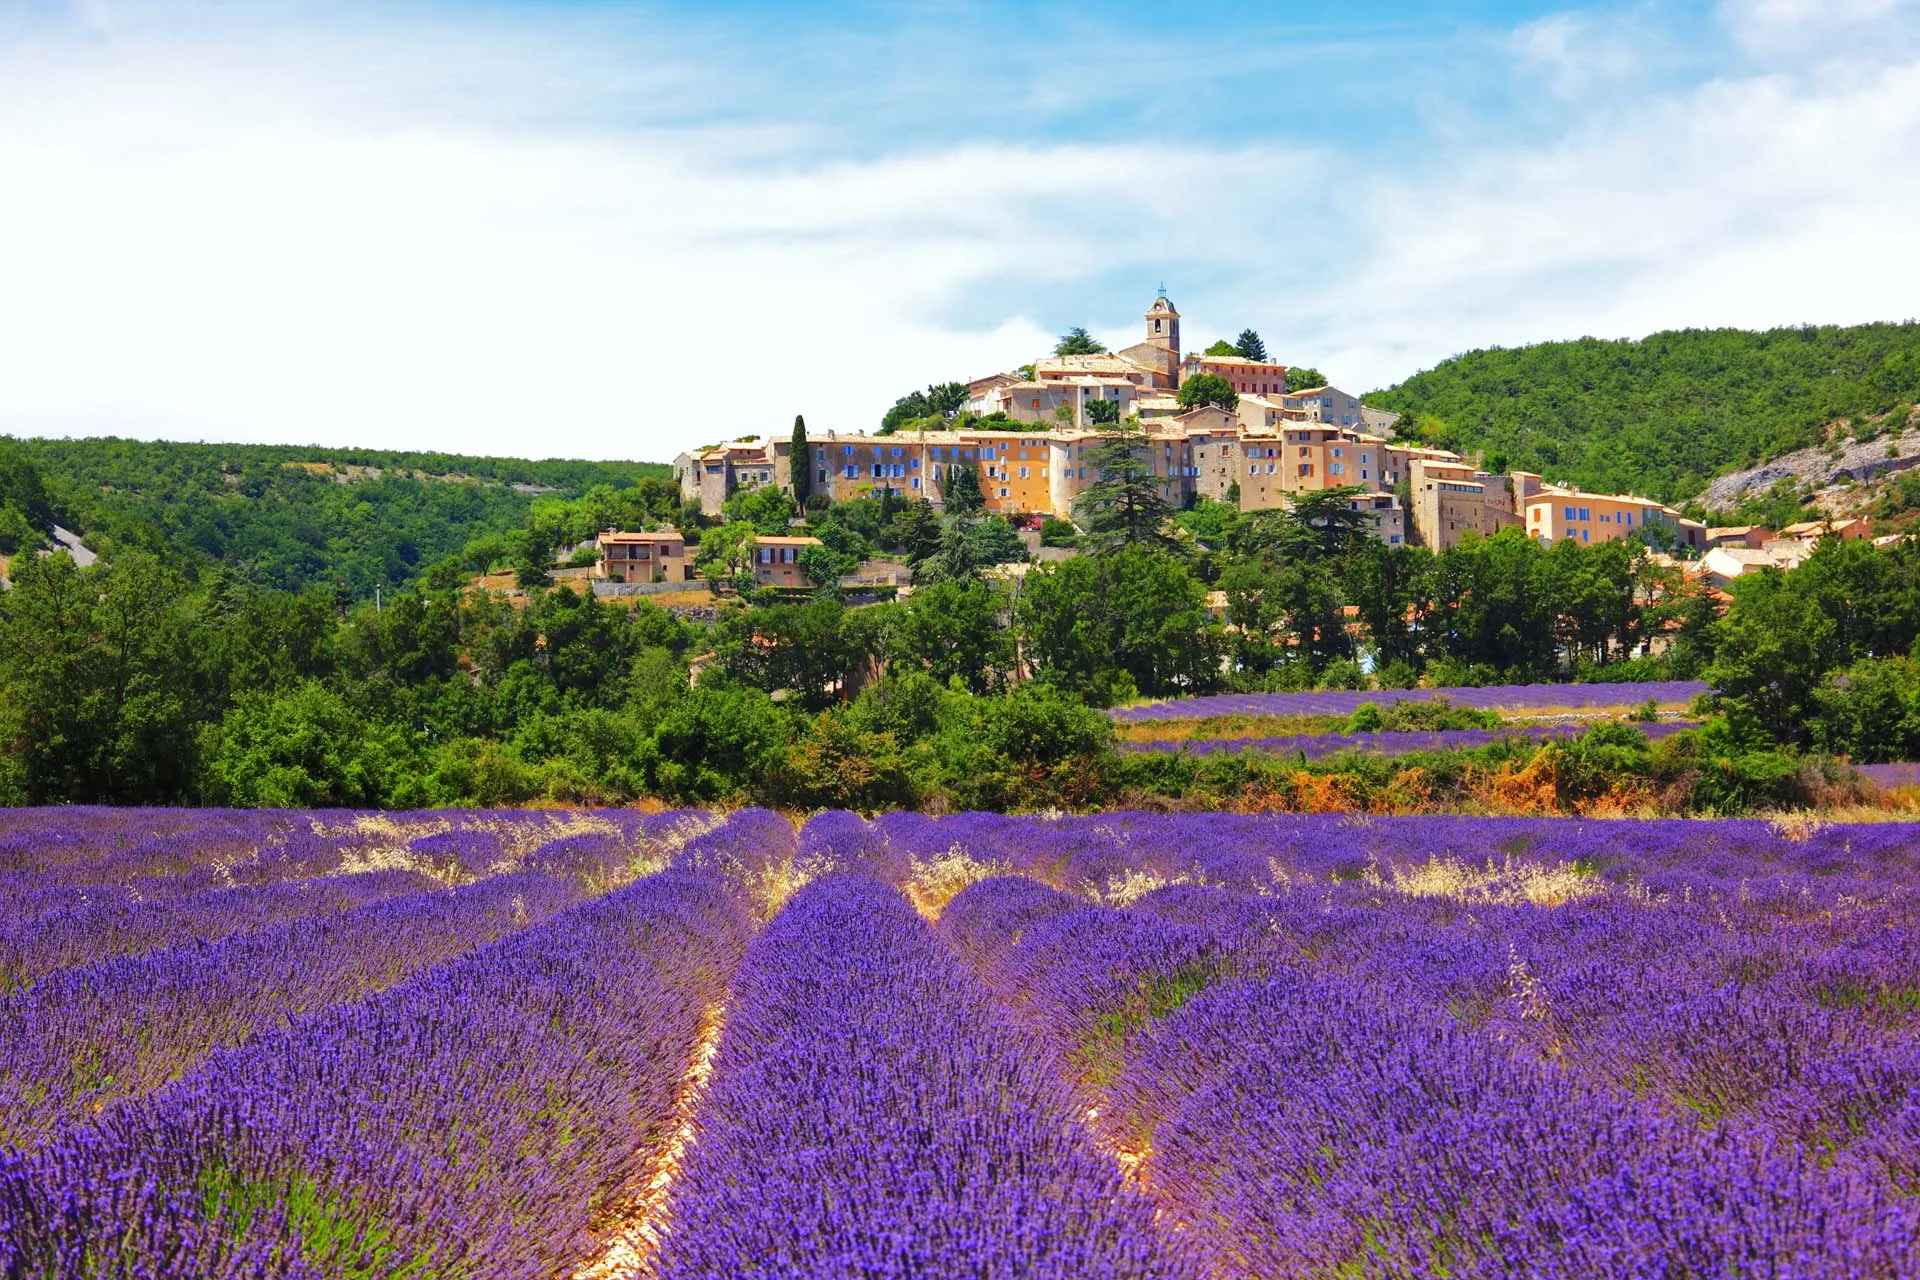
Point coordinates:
[(1107, 626), (1388, 585), (767, 508), (727, 552), (953, 630), (1078, 342), (1222, 347), (1771, 649), (301, 748), (1249, 346), (958, 558), (715, 744), (800, 463), (1126, 506), (1305, 378), (97, 666), (1103, 413), (1055, 532), (815, 652), (1205, 389), (960, 491)]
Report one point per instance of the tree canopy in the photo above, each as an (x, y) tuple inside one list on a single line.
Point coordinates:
[(1207, 388), (1125, 506), (937, 404), (1078, 342), (1249, 346), (1664, 414)]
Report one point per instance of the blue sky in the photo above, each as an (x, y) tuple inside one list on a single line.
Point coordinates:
[(617, 230)]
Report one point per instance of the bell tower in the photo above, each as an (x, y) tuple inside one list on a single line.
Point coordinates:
[(1163, 325)]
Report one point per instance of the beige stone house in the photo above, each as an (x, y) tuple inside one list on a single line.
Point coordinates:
[(643, 557)]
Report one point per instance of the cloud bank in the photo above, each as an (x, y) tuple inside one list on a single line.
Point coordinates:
[(506, 235)]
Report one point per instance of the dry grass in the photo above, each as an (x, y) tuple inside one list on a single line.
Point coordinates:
[(1125, 890), (1510, 883), (934, 883)]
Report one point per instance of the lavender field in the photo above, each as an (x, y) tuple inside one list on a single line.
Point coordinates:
[(1320, 746), (608, 1044), (1515, 698)]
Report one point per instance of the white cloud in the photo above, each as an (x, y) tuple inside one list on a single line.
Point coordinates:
[(1789, 29), (1579, 52), (498, 244), (207, 256), (1755, 202)]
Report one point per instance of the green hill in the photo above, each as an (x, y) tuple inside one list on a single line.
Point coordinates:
[(285, 516), (1663, 415)]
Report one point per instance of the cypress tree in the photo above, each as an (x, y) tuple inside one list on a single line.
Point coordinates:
[(800, 464)]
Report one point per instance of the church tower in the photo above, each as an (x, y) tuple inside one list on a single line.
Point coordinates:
[(1163, 325)]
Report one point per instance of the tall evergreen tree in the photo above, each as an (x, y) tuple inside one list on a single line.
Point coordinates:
[(961, 490), (1125, 506), (800, 463), (1248, 345)]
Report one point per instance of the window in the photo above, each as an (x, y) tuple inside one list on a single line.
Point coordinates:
[(916, 482), (1339, 452), (1573, 513), (1363, 473), (896, 451), (1586, 513), (1023, 473), (853, 473), (1583, 535), (1003, 493), (1336, 468), (1626, 517), (822, 476)]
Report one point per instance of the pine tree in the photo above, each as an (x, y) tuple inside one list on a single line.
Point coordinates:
[(1250, 346), (961, 491), (1078, 342), (800, 464), (1125, 506)]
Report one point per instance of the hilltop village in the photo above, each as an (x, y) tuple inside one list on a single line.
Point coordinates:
[(1246, 440)]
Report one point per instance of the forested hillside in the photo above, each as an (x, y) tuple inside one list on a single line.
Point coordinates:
[(287, 517), (1661, 416)]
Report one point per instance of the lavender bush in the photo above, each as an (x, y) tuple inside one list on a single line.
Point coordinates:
[(1321, 746), (870, 1116), (85, 1038), (1342, 702), (471, 1122)]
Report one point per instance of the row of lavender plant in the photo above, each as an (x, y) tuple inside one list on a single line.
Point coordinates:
[(89, 928), (1665, 857), (1321, 746), (1342, 702), (1348, 1125), (85, 1038), (51, 858), (476, 1121), (1299, 1126), (870, 1115)]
